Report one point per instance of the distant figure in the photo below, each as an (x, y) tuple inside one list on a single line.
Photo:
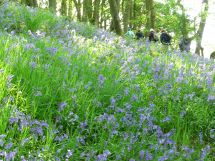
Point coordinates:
[(130, 33), (153, 36), (165, 38), (212, 56), (139, 35), (184, 44)]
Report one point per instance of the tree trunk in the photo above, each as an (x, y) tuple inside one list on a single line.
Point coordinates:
[(134, 14), (200, 31), (127, 14), (84, 11), (52, 5), (131, 14), (87, 11), (96, 13), (63, 8), (90, 11), (70, 9), (150, 14), (114, 9), (102, 14), (78, 9)]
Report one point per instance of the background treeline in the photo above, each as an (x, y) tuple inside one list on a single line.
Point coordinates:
[(118, 15)]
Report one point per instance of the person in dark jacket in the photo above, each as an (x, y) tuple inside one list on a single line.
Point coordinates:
[(184, 44), (165, 38), (152, 36), (139, 35)]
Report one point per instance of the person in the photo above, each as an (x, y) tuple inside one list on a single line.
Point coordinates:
[(130, 33), (152, 36), (212, 56), (139, 35), (184, 44), (165, 38)]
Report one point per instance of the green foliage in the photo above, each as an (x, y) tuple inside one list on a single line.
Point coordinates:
[(29, 19), (78, 93), (171, 17)]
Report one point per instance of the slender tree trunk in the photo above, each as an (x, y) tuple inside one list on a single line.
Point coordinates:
[(52, 5), (131, 13), (70, 9), (105, 24), (134, 14), (150, 14), (114, 9), (200, 31), (127, 14), (87, 11), (96, 12), (78, 9), (63, 8), (84, 17), (90, 11), (102, 13)]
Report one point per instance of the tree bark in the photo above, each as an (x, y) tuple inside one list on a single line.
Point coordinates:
[(134, 14), (200, 31), (78, 9), (95, 20), (127, 14), (114, 9), (64, 7), (102, 14), (70, 9), (150, 14), (87, 11), (52, 5)]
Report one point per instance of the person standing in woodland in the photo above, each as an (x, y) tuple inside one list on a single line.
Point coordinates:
[(139, 35), (165, 38), (130, 33), (184, 44), (152, 36)]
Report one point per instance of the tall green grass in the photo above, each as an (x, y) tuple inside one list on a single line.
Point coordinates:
[(69, 91)]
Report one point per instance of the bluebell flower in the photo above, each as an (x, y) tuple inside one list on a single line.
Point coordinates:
[(211, 98), (113, 101), (9, 146), (1, 143), (148, 156), (101, 80), (163, 158), (13, 120), (212, 133), (141, 154), (201, 138), (33, 65), (166, 119), (10, 156), (69, 154), (204, 152), (61, 106)]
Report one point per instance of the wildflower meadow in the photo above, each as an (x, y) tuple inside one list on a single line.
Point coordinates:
[(70, 91)]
